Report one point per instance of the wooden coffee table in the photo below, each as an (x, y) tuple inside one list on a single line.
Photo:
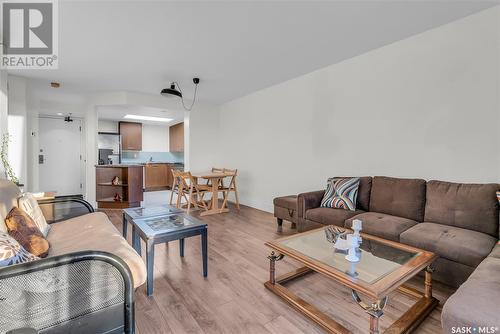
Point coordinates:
[(384, 266)]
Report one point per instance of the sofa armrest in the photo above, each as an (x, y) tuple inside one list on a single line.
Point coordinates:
[(495, 252), (83, 292), (310, 200), (62, 208)]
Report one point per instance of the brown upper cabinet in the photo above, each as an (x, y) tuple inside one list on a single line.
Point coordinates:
[(131, 135), (176, 134)]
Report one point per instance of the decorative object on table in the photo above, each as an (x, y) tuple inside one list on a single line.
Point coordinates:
[(117, 198), (333, 233), (357, 225), (341, 193), (352, 270), (116, 181), (22, 228), (343, 241), (353, 243), (9, 173)]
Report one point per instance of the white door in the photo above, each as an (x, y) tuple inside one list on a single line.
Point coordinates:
[(59, 159)]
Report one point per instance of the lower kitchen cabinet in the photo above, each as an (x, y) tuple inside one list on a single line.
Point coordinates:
[(156, 177)]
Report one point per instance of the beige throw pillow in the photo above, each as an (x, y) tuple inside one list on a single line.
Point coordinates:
[(28, 203)]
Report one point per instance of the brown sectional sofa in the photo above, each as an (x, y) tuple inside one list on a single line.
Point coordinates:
[(459, 222), (475, 303)]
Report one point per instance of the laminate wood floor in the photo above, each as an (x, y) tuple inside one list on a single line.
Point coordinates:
[(233, 298)]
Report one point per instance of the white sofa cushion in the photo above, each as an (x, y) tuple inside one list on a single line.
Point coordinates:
[(29, 204), (94, 231)]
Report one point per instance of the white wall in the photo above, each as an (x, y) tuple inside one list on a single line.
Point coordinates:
[(107, 126), (155, 138), (17, 128), (202, 138), (3, 111), (426, 107)]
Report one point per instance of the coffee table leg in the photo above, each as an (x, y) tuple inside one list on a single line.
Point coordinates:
[(136, 240), (428, 282), (150, 259), (124, 225), (375, 310), (204, 251), (181, 247), (272, 266)]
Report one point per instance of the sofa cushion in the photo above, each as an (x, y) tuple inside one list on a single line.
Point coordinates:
[(94, 231), (475, 303), (382, 225), (453, 243), (9, 193), (496, 251), (330, 216), (29, 204), (364, 190), (341, 193), (470, 206), (398, 197), (11, 252), (22, 228)]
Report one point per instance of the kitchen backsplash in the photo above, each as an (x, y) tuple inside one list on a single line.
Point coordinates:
[(138, 157)]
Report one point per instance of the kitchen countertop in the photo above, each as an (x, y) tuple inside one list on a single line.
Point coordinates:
[(119, 166), (139, 164)]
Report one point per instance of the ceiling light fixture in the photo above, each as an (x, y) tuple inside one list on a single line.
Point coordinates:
[(148, 118), (175, 91)]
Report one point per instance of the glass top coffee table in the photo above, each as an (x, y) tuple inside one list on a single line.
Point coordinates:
[(383, 267), (146, 212), (163, 229)]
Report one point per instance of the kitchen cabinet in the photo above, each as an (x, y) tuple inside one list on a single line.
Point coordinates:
[(156, 176), (176, 137), (131, 134)]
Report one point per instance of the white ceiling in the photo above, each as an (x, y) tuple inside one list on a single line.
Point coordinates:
[(234, 47)]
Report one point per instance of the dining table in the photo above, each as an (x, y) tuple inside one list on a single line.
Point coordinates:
[(214, 179)]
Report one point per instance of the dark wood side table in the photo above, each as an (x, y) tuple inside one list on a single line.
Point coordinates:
[(162, 229)]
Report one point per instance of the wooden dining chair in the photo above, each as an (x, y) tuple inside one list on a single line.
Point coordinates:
[(195, 191), (231, 175), (176, 188)]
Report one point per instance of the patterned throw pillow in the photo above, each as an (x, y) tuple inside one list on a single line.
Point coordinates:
[(29, 204), (22, 228), (341, 193), (11, 252)]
